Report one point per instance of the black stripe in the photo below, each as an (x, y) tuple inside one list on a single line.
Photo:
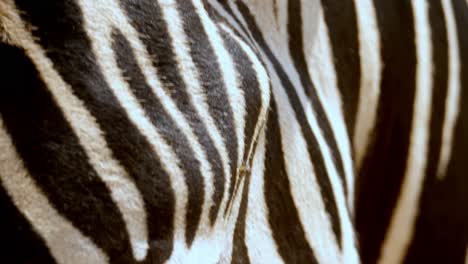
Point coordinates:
[(159, 46), (296, 49), (237, 27), (384, 166), (275, 10), (168, 130), (423, 247), (283, 217), (247, 77), (341, 21), (211, 80), (67, 45), (239, 251), (312, 144), (18, 236), (228, 9), (252, 94), (239, 248), (442, 228), (53, 156), (440, 81)]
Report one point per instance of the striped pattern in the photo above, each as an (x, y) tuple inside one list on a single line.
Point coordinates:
[(206, 131)]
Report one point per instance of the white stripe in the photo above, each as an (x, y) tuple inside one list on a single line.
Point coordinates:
[(452, 102), (230, 20), (123, 191), (189, 74), (310, 11), (304, 187), (65, 242), (235, 212), (264, 86), (258, 237), (275, 30), (371, 67), (322, 68), (98, 26), (180, 251), (400, 230), (259, 241), (214, 243), (234, 94), (346, 227), (296, 172)]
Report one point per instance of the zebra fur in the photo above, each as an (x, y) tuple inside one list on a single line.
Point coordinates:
[(192, 131)]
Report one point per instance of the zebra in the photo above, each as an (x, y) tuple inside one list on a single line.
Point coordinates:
[(246, 131)]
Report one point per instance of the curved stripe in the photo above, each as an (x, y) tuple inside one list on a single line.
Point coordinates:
[(53, 156), (18, 234), (258, 234), (190, 78), (387, 156), (264, 92), (371, 67), (255, 83), (213, 103), (282, 79), (264, 86), (83, 124), (167, 127), (322, 70), (341, 23), (401, 227), (163, 62), (296, 51), (65, 242), (133, 151), (239, 247), (439, 202), (99, 30), (454, 85), (286, 193), (235, 95)]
